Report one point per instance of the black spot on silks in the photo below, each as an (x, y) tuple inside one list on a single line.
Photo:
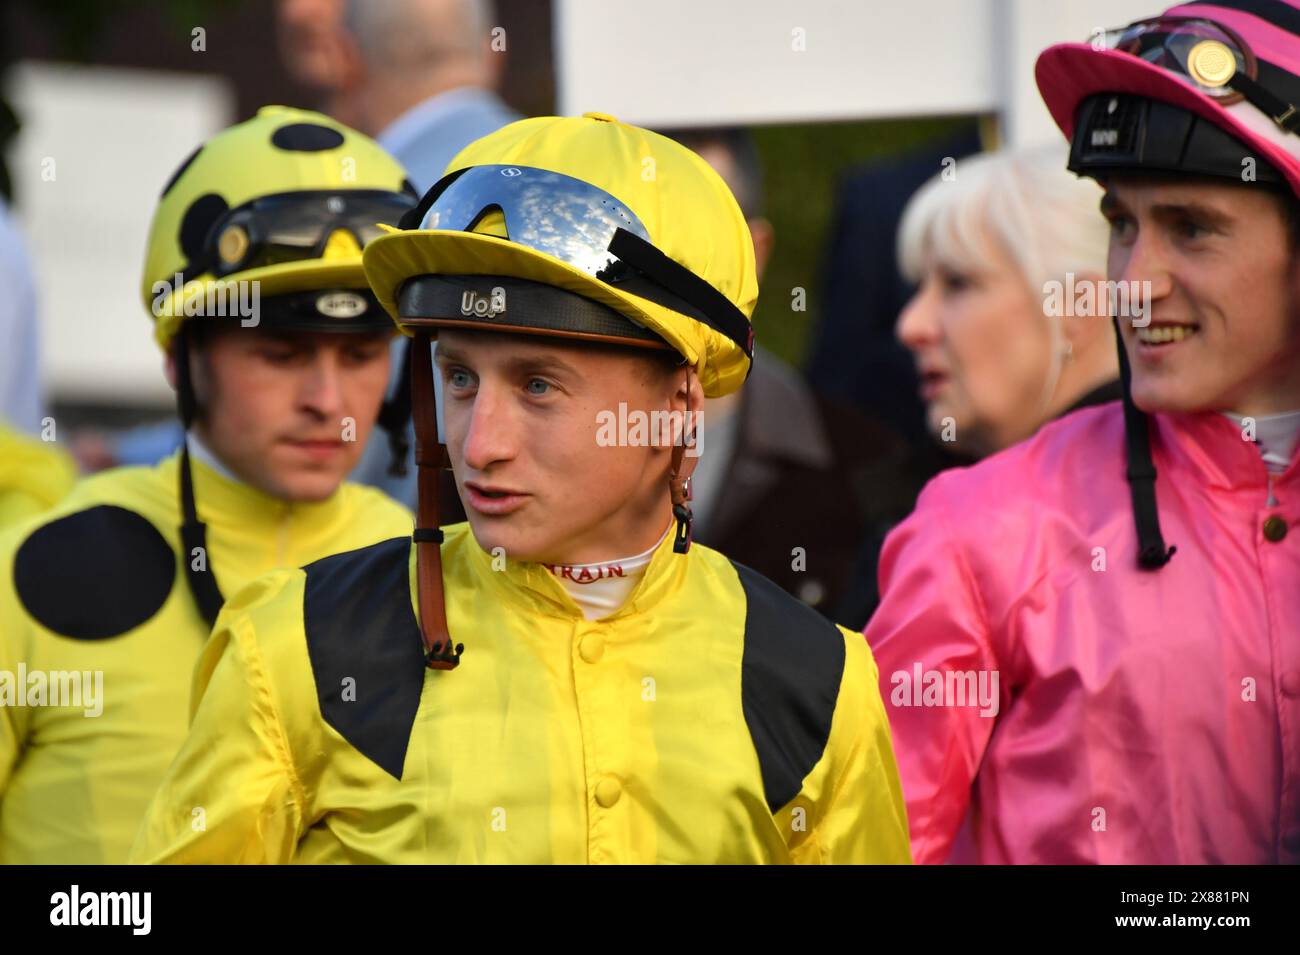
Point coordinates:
[(94, 574)]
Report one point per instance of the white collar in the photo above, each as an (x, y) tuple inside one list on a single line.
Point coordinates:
[(602, 588), (1276, 436), (201, 452)]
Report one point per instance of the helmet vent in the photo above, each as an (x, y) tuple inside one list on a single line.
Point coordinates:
[(1112, 126), (306, 138)]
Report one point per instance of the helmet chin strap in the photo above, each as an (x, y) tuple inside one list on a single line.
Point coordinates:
[(430, 459), (683, 465), (1141, 472), (194, 533)]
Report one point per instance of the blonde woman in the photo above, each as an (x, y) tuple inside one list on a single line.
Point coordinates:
[(1003, 247)]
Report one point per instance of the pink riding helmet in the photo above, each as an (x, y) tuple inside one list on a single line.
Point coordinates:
[(1204, 66)]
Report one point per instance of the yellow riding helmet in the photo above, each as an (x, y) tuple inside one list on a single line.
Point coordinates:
[(617, 215), (286, 199)]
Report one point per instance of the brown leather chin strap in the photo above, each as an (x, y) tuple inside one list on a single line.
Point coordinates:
[(679, 474), (430, 459)]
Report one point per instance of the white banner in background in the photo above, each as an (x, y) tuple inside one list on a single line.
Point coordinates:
[(96, 146)]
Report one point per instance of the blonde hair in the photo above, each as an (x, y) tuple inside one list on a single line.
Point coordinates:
[(1044, 219)]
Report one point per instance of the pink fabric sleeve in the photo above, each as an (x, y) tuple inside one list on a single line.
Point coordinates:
[(931, 620)]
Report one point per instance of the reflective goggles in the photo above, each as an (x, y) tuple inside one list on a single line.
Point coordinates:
[(582, 226), (1216, 61), (296, 226)]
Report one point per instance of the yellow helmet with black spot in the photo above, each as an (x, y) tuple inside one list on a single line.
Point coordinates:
[(269, 217), (279, 207)]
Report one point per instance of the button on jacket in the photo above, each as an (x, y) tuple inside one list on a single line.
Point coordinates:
[(93, 593), (1143, 716), (713, 718)]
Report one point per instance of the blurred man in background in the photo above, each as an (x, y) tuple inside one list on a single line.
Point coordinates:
[(21, 401), (321, 56), (428, 78), (34, 474), (425, 88), (792, 480), (853, 355)]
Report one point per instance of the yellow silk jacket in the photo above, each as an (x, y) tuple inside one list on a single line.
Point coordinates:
[(712, 719), (99, 636)]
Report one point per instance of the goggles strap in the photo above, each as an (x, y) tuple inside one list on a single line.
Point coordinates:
[(1141, 473), (716, 309), (1284, 17), (194, 533), (1279, 110), (430, 458)]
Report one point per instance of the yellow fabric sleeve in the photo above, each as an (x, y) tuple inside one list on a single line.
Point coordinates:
[(232, 794), (13, 718), (34, 476), (862, 819)]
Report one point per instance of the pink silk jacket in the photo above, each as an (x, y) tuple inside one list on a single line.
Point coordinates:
[(1053, 703)]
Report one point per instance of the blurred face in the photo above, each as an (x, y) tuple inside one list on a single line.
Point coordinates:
[(311, 41), (1224, 333), (290, 412), (522, 418), (982, 350)]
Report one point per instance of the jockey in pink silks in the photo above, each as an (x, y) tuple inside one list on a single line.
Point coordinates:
[(1089, 644)]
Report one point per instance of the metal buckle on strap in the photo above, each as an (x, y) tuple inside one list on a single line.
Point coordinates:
[(682, 540)]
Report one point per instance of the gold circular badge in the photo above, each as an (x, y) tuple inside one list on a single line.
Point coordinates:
[(1211, 63), (232, 245)]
